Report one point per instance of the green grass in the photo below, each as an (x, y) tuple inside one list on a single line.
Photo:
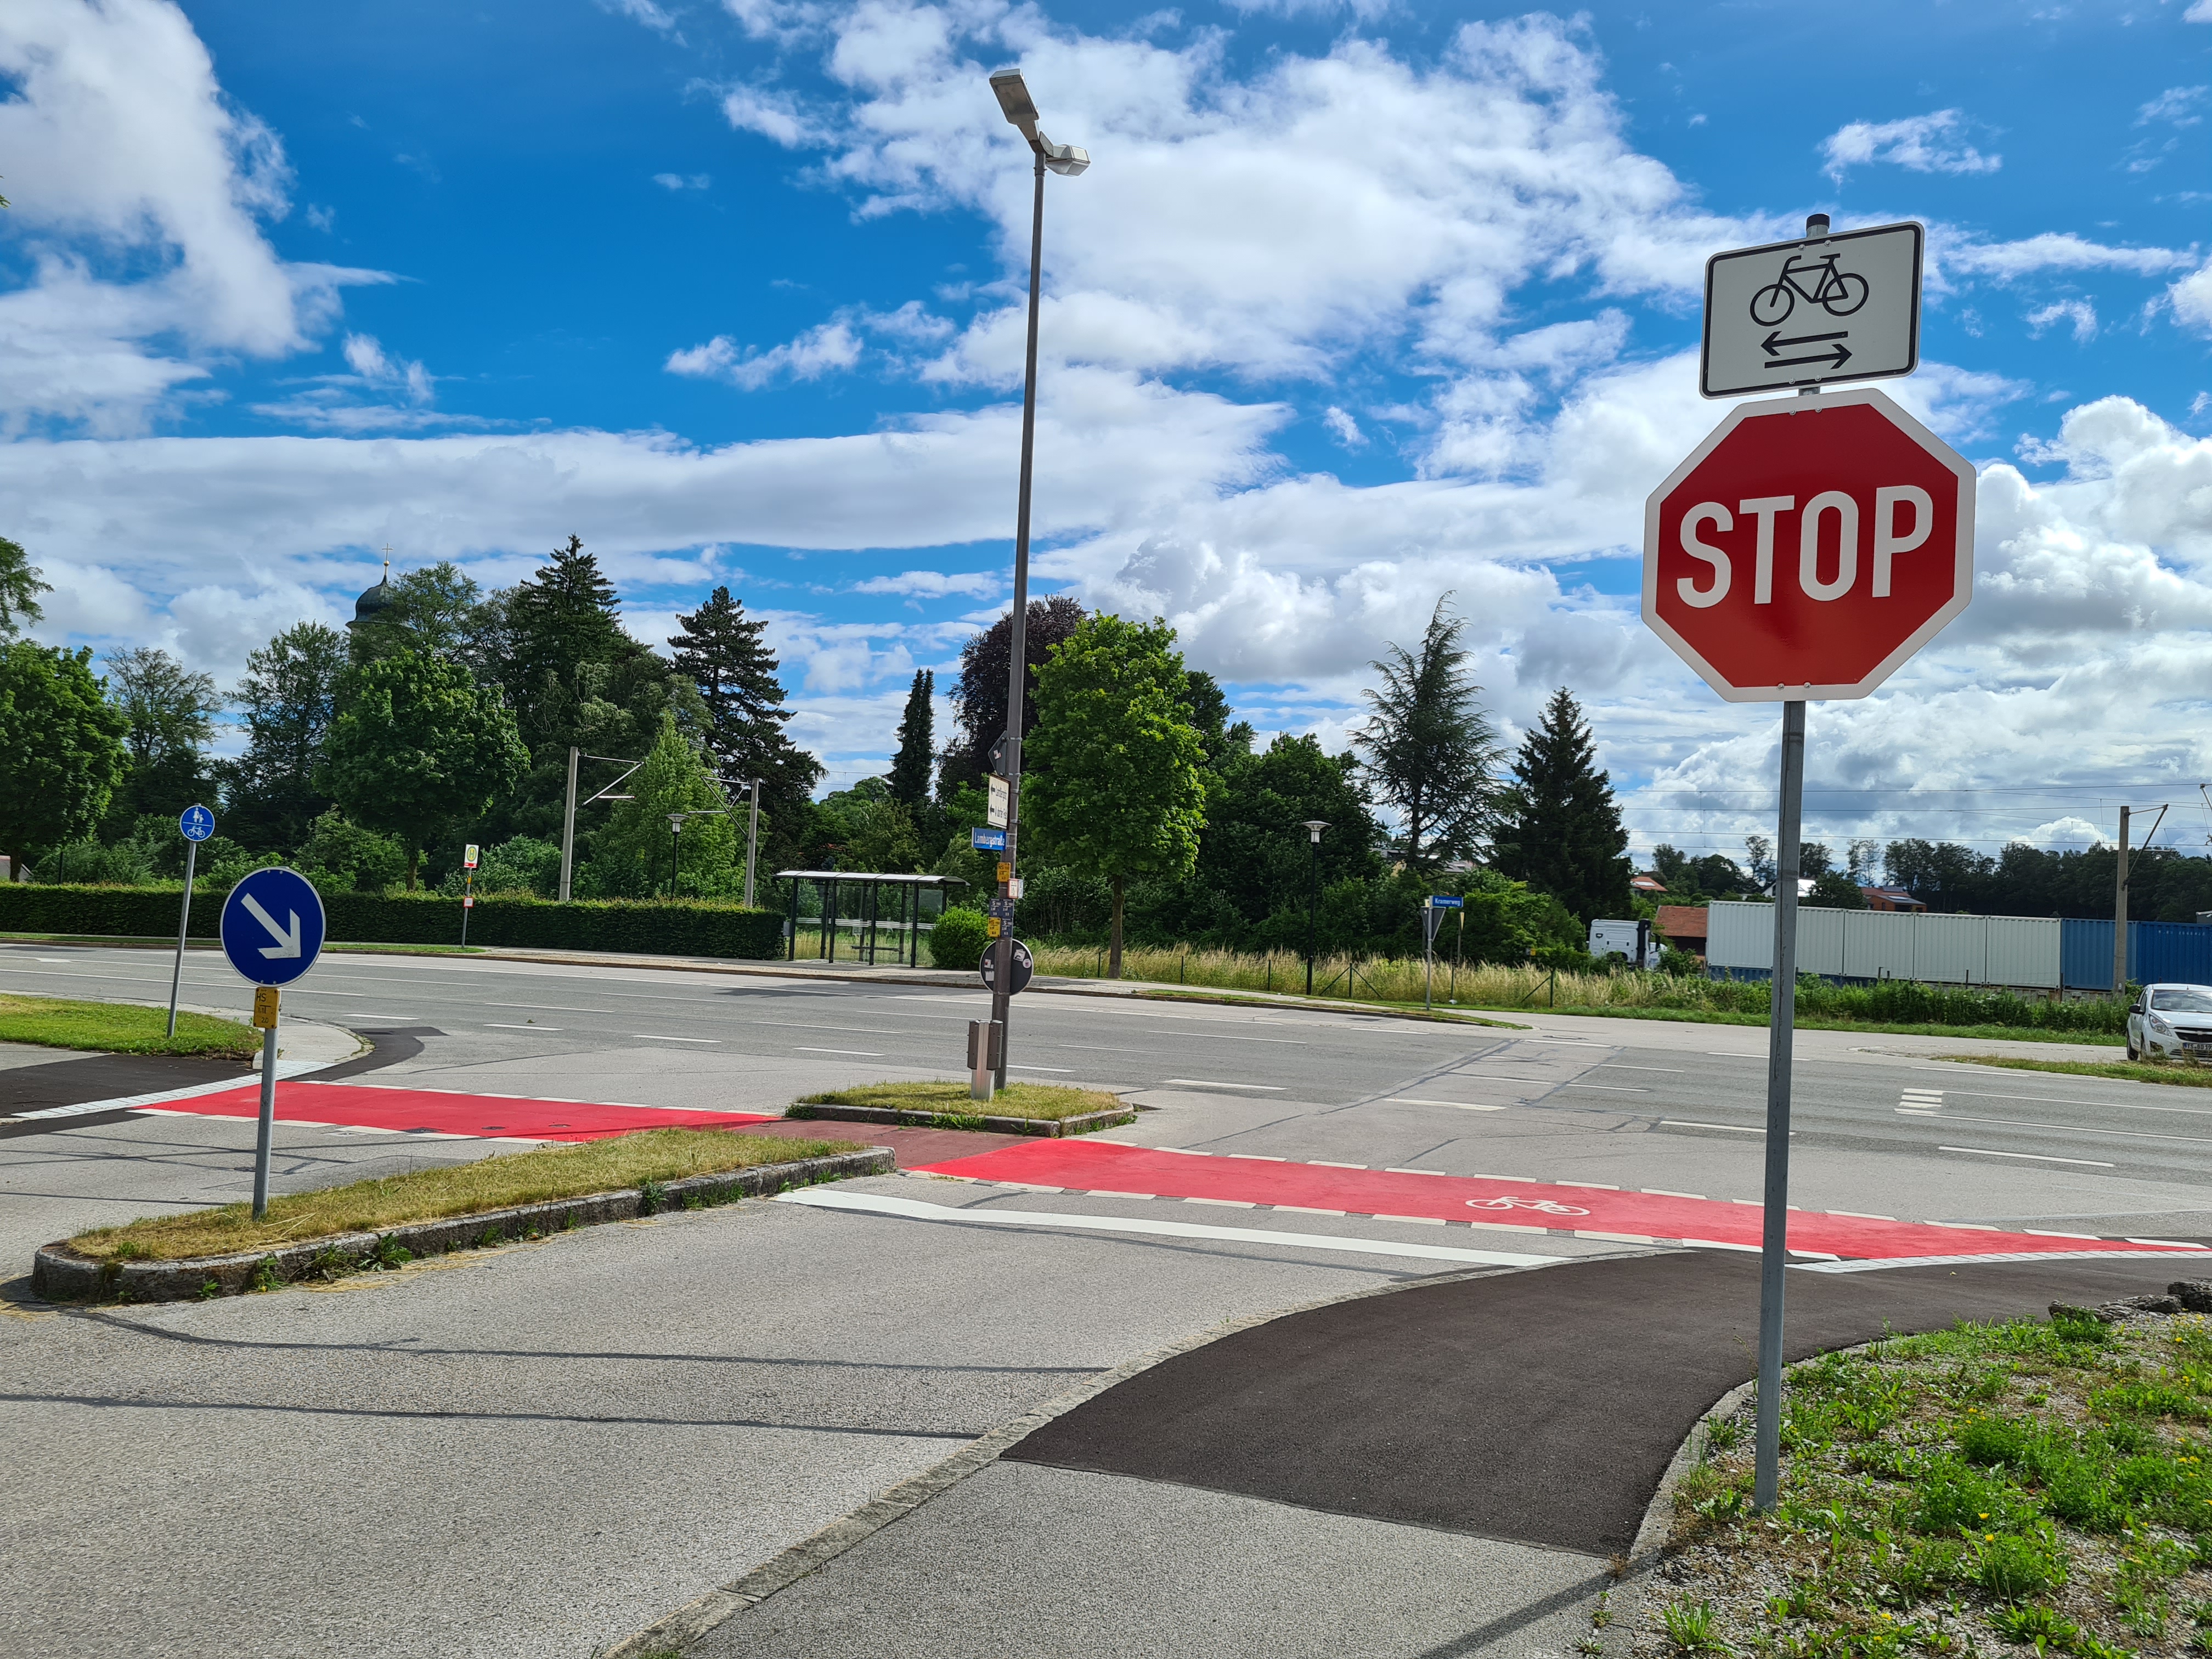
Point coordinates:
[(122, 1028), (2039, 1484), (491, 1183), (2181, 1073), (1813, 1023), (1042, 1101)]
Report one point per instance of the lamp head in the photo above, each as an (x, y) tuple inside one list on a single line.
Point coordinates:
[(1014, 98), (1065, 160), (1314, 827)]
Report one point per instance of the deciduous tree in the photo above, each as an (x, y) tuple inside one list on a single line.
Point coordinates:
[(288, 696), (979, 695), (171, 710), (1121, 784), (419, 748), (19, 586), (61, 748)]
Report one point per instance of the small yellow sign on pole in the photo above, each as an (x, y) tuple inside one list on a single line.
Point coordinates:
[(1005, 872), (990, 927), (265, 1007)]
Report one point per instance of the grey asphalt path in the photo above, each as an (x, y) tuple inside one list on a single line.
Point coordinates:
[(539, 1450)]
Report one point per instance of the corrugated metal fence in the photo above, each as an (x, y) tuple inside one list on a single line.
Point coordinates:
[(2030, 952)]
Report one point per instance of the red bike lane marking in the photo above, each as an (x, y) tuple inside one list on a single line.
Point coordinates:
[(1110, 1166), (483, 1116)]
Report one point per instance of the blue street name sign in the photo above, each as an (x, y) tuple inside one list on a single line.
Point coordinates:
[(272, 927), (988, 840), (1445, 902), (197, 823)]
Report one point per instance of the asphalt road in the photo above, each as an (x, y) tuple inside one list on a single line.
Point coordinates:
[(1879, 1125)]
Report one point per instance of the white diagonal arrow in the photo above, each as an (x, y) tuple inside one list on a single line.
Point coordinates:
[(287, 944)]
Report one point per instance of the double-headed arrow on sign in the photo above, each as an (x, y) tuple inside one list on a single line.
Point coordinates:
[(1835, 357)]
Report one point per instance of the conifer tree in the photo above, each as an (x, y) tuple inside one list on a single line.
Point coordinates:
[(1563, 834), (917, 742), (1428, 746), (721, 652)]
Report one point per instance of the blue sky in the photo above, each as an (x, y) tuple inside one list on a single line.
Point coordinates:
[(1357, 305)]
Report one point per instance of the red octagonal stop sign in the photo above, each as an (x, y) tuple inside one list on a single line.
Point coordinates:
[(1808, 547)]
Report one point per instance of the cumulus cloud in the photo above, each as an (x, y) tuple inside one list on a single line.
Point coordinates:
[(936, 584), (123, 154), (819, 350), (2191, 299), (1919, 143), (2078, 314), (2055, 251)]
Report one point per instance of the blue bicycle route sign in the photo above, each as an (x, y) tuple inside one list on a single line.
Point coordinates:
[(272, 927), (197, 822)]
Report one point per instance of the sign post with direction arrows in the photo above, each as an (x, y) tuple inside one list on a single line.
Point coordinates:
[(196, 825), (1803, 313), (272, 932)]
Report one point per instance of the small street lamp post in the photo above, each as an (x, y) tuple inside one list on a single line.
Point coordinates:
[(1313, 828)]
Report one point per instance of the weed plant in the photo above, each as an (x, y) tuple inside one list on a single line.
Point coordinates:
[(2029, 1485)]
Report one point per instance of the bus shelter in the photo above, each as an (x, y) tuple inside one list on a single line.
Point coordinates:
[(883, 912)]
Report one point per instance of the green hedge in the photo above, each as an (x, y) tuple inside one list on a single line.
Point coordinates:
[(694, 929)]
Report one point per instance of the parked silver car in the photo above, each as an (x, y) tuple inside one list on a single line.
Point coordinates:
[(2171, 1021)]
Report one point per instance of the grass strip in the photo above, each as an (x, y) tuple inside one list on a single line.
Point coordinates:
[(2023, 1485), (1805, 1022), (2182, 1073), (433, 1194), (1042, 1101), (122, 1028)]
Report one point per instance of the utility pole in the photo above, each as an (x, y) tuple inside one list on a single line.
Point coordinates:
[(752, 844), (569, 827), (2120, 914), (1313, 828)]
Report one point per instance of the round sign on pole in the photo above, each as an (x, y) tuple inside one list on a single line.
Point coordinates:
[(197, 822), (272, 927), (1809, 547), (1025, 968)]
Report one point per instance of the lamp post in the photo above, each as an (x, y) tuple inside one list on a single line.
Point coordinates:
[(1313, 827), (1013, 96), (675, 833)]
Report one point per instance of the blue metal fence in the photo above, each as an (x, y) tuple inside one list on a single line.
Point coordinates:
[(2157, 950)]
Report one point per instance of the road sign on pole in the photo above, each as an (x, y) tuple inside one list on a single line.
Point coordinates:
[(1024, 966), (1812, 312), (196, 823), (1808, 547), (272, 932), (988, 840), (996, 802)]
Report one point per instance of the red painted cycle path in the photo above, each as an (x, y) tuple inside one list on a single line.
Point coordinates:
[(359, 1106), (1113, 1167)]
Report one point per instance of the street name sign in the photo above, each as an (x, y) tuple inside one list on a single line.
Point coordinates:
[(272, 927), (1825, 308), (988, 840), (1024, 966), (197, 822), (1446, 902), (1808, 547)]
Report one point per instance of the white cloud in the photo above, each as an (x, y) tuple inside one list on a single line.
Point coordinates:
[(2080, 314), (683, 180), (1345, 429), (936, 584), (123, 154), (776, 116), (1919, 143), (2055, 251), (653, 17), (2176, 103), (2191, 297), (812, 355)]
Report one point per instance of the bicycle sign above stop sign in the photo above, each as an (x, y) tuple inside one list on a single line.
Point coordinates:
[(1824, 308), (1808, 547)]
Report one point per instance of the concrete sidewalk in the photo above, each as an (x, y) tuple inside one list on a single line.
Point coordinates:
[(1449, 1469)]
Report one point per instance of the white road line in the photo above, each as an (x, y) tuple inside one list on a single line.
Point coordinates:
[(2032, 1157), (497, 1026), (1063, 1070), (1461, 1105), (1094, 1047), (1689, 1123), (1398, 1171), (654, 1037), (543, 1008), (858, 1054), (1208, 1083), (2113, 1105), (911, 1209), (2070, 1129), (848, 1030), (1609, 1088), (1615, 1066), (1661, 1192)]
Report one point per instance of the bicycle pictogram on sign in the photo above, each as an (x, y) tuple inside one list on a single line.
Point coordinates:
[(1546, 1206), (1817, 282)]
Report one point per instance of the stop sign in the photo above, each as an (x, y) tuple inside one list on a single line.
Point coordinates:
[(1808, 547)]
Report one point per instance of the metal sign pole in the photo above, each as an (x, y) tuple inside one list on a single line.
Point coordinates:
[(183, 923), (264, 1016), (752, 843), (1774, 1245)]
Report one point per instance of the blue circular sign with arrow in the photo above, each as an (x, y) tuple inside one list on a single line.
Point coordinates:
[(272, 927), (197, 821)]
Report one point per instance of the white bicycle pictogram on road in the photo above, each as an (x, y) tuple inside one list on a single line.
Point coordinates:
[(1547, 1205)]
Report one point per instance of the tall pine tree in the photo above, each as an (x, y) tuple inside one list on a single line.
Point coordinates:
[(1428, 746), (721, 652), (917, 742), (1563, 834)]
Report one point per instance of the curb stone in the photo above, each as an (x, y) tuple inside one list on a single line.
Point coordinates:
[(1082, 1125), (59, 1274)]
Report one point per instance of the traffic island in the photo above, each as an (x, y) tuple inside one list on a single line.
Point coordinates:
[(122, 1028), (1030, 1108), (2030, 1483), (374, 1225)]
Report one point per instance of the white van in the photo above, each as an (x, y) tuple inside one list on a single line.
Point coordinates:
[(1630, 940)]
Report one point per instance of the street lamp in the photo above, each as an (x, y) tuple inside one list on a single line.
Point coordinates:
[(1313, 828), (1013, 96), (676, 831)]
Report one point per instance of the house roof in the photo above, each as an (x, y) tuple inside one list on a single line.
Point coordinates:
[(1681, 922)]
